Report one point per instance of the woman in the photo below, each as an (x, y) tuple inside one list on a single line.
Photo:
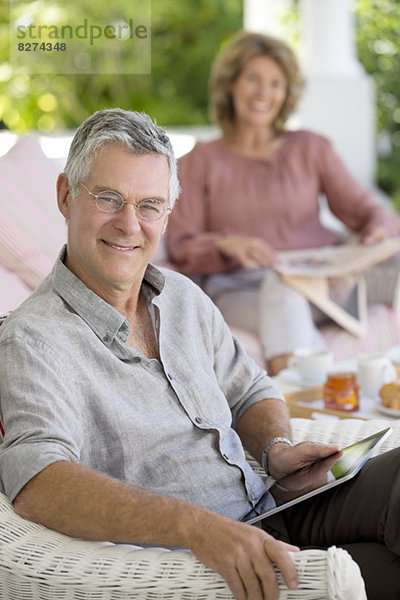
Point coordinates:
[(255, 191)]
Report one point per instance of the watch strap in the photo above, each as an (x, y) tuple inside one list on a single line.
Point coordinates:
[(276, 440)]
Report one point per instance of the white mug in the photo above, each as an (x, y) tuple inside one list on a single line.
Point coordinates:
[(313, 365), (373, 372)]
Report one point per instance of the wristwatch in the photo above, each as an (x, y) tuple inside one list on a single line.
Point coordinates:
[(276, 440)]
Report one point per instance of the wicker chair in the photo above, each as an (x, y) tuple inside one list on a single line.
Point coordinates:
[(37, 563)]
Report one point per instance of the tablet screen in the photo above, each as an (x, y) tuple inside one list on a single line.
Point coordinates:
[(357, 454)]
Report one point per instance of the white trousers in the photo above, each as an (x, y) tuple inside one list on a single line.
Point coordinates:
[(260, 302)]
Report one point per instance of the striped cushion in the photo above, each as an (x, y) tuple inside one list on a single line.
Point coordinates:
[(12, 290), (2, 318), (383, 331), (32, 229)]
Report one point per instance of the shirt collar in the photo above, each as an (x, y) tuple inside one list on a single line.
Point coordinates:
[(102, 318)]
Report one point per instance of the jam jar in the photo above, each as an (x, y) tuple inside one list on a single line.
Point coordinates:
[(341, 391)]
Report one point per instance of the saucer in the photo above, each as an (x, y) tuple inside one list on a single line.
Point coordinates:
[(390, 412), (293, 377)]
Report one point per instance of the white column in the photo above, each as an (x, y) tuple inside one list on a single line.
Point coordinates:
[(339, 98), (264, 16), (327, 35)]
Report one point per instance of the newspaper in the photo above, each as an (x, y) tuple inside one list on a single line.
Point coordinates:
[(335, 261), (308, 271)]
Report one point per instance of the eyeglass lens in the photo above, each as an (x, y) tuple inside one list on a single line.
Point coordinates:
[(148, 210)]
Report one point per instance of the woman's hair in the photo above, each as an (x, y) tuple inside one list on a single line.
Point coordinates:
[(230, 63), (133, 130)]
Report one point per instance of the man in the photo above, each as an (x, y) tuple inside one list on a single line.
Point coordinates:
[(126, 400)]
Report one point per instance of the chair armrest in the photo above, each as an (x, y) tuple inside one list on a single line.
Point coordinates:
[(38, 563)]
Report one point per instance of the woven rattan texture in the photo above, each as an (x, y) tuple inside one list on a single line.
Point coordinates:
[(37, 563)]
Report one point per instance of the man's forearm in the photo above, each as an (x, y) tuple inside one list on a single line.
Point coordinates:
[(83, 503), (262, 422)]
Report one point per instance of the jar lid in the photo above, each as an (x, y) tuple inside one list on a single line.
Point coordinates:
[(342, 375)]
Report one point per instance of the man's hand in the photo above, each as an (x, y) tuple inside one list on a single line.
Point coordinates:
[(250, 252), (304, 480), (284, 459), (244, 556)]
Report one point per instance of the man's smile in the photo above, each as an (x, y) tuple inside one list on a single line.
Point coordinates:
[(118, 247)]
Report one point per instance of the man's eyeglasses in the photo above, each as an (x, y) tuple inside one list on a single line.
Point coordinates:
[(150, 209)]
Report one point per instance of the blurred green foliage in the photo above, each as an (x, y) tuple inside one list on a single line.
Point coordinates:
[(185, 38), (378, 43)]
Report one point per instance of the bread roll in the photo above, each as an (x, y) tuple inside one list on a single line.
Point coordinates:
[(390, 395)]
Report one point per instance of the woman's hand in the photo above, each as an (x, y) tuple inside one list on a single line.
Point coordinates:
[(373, 234), (251, 253)]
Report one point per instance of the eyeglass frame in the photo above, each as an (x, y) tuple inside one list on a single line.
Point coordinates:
[(125, 202)]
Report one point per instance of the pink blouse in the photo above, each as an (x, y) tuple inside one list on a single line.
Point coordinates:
[(276, 200)]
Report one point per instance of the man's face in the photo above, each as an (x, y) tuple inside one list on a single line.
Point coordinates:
[(109, 252)]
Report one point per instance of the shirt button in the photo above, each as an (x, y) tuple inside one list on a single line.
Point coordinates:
[(225, 456), (107, 338), (137, 359), (198, 420)]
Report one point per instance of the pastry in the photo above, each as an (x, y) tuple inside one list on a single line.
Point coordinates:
[(390, 395)]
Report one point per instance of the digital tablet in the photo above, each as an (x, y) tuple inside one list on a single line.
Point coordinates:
[(323, 474)]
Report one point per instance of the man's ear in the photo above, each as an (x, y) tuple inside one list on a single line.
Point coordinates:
[(63, 195)]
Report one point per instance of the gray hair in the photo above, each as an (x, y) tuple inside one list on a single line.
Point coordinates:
[(136, 131)]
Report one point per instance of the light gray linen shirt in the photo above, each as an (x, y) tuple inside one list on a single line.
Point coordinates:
[(72, 390)]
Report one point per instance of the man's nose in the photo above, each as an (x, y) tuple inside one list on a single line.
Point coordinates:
[(127, 219)]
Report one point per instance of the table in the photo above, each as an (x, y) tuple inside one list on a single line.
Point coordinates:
[(306, 401)]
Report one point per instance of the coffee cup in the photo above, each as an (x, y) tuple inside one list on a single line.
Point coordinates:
[(374, 371), (312, 365)]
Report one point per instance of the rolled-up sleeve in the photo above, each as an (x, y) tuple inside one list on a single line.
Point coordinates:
[(41, 422)]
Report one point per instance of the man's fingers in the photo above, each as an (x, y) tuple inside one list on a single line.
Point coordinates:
[(254, 583), (259, 577), (279, 554), (236, 585), (268, 583), (244, 556), (315, 450)]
